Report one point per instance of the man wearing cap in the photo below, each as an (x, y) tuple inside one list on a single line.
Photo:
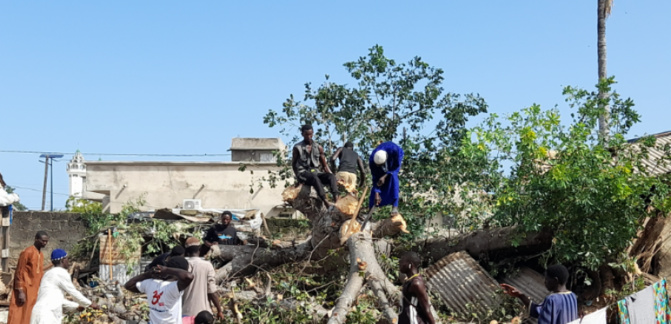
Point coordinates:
[(349, 163), (385, 163), (203, 290), (27, 278), (51, 299), (163, 287)]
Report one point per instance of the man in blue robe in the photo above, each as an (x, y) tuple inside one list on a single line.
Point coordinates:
[(385, 163)]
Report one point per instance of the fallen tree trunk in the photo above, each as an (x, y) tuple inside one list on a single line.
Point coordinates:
[(494, 244), (364, 268), (247, 259)]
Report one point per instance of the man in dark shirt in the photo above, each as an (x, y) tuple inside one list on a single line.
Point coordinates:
[(309, 165), (349, 163), (224, 233), (162, 259)]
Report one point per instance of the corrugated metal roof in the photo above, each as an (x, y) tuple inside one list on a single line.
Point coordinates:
[(655, 164), (463, 285), (120, 272), (529, 282)]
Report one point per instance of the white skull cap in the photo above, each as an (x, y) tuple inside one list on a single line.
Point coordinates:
[(380, 157)]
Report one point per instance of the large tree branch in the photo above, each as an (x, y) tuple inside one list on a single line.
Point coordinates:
[(496, 243), (387, 308)]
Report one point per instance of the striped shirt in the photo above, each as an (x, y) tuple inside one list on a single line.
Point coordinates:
[(556, 308)]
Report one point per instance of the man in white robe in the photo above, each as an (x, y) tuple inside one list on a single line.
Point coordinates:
[(51, 298)]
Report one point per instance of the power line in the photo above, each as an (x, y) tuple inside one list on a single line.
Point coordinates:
[(119, 154), (37, 190)]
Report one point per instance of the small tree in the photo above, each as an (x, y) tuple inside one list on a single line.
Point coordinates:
[(390, 101), (592, 195), (83, 206)]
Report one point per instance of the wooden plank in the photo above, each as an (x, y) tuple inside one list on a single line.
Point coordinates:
[(110, 251), (4, 247)]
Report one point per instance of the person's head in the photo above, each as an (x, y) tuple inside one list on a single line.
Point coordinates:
[(192, 246), (349, 145), (409, 262), (59, 258), (226, 217), (307, 132), (41, 239), (204, 317), (177, 262), (380, 157), (177, 250), (556, 276)]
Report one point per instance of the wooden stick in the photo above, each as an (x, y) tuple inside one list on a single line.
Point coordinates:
[(363, 196), (265, 225), (109, 254)]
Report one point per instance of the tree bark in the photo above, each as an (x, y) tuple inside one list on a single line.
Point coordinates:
[(364, 268), (494, 244), (603, 10), (246, 259)]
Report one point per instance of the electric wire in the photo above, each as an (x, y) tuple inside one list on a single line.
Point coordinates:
[(119, 154)]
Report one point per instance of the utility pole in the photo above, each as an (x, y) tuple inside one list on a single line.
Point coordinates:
[(46, 173), (49, 160), (51, 200)]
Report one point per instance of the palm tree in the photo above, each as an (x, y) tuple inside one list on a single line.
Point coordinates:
[(603, 11)]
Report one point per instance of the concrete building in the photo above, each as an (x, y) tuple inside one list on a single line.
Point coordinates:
[(255, 149), (196, 184), (77, 175), (76, 169)]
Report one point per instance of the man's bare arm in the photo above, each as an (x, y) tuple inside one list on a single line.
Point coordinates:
[(423, 304), (336, 155), (131, 285), (184, 277), (362, 170), (322, 160), (294, 160), (214, 298)]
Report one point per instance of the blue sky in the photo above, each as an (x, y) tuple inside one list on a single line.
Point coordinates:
[(178, 77)]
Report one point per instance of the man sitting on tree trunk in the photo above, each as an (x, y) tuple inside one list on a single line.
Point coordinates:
[(349, 163), (221, 234), (385, 163), (309, 165)]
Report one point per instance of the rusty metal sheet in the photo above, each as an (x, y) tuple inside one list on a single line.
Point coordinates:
[(529, 282), (110, 251), (463, 285)]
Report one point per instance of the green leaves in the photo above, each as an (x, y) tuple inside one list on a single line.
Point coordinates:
[(401, 102), (592, 195)]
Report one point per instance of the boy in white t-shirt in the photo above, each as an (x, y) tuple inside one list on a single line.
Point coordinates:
[(163, 287)]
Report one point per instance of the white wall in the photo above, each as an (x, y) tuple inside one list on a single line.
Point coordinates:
[(166, 184)]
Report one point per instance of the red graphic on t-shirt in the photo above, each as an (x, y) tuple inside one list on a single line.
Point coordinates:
[(157, 298)]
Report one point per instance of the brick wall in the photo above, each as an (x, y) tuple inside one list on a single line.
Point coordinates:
[(64, 229)]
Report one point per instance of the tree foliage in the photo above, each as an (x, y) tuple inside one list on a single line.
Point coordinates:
[(390, 101), (83, 206), (592, 195)]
